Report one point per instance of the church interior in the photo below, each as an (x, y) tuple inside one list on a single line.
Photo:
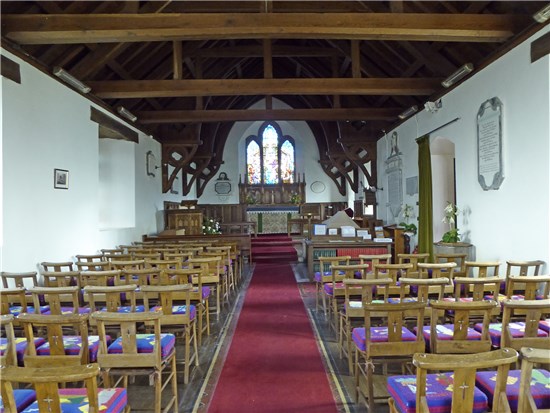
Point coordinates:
[(275, 206)]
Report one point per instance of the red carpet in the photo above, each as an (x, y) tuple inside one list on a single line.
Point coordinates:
[(273, 249), (273, 364)]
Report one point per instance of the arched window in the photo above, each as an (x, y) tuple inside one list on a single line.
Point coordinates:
[(270, 156)]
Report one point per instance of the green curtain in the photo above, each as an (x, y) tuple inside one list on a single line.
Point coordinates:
[(425, 203)]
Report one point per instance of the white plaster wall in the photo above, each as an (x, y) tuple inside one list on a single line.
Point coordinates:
[(512, 222), (46, 125), (307, 159)]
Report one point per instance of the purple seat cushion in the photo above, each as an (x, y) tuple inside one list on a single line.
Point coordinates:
[(23, 398), (205, 292), (445, 332), (70, 310), (397, 300), (516, 329), (145, 344), (329, 287), (377, 335), (73, 345), (127, 309), (540, 382), (544, 325), (17, 309), (318, 277), (76, 401), (439, 393), (20, 347), (179, 309)]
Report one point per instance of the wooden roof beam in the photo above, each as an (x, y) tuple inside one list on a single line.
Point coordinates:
[(122, 89), (109, 28), (234, 115)]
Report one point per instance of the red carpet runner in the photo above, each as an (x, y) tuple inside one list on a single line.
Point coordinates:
[(273, 249), (273, 364)]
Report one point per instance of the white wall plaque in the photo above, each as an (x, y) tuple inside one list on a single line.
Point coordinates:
[(489, 144)]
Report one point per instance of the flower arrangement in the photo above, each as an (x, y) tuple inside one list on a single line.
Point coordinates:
[(408, 213), (295, 198), (210, 226), (250, 199), (451, 212)]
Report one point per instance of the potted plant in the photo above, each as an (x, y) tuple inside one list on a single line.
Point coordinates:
[(452, 235), (408, 213)]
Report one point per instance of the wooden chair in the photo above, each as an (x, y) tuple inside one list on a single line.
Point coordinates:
[(115, 299), (527, 389), (423, 290), (173, 301), (455, 389), (210, 277), (50, 397), (225, 252), (61, 278), (12, 347), (111, 251), (393, 271), (357, 292), (324, 275), (458, 258), (101, 278), (460, 335), (60, 348), (521, 269), (56, 299), (374, 259), (384, 341), (439, 270), (335, 289), (89, 257), (133, 354), (523, 332), (93, 265), (13, 301), (413, 259), (20, 280)]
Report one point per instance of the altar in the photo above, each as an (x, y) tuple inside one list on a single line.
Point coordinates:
[(271, 219)]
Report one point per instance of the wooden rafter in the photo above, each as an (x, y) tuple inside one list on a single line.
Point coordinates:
[(123, 89), (116, 28)]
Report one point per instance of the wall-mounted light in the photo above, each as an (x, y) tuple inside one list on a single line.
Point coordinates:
[(373, 189), (71, 80), (409, 112), (459, 74), (150, 163), (433, 106), (542, 15), (122, 111)]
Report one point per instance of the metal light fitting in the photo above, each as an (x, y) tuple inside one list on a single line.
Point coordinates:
[(410, 111), (71, 80), (543, 14), (459, 74), (122, 111)]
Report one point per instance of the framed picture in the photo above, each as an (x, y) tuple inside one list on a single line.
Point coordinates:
[(60, 179), (319, 229)]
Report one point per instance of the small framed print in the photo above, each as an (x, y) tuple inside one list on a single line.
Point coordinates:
[(319, 229), (60, 179), (333, 231)]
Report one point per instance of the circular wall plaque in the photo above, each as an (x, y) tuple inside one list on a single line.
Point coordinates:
[(317, 187)]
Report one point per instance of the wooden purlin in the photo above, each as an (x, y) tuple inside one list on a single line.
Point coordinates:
[(338, 157), (334, 174)]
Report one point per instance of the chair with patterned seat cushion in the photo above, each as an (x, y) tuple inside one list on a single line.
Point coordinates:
[(335, 289), (438, 270), (424, 290), (178, 315), (453, 388), (524, 331), (357, 292), (395, 272), (14, 301), (93, 265), (51, 397), (460, 335), (61, 300), (20, 280), (133, 354), (458, 258), (527, 387), (521, 269), (384, 339), (61, 346), (12, 346), (199, 294), (210, 276), (413, 259), (324, 275), (476, 289)]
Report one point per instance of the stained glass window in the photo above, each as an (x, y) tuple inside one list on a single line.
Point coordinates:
[(267, 161)]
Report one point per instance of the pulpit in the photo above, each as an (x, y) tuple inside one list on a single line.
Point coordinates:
[(183, 219)]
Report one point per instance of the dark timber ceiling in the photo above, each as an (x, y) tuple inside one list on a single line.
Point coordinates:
[(189, 69)]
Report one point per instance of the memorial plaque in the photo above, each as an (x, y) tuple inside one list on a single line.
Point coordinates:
[(394, 170), (489, 144)]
